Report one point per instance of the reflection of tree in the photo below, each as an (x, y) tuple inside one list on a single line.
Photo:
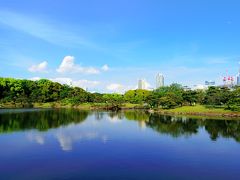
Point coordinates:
[(136, 115), (98, 115), (173, 126), (182, 126), (41, 120), (115, 115), (227, 129)]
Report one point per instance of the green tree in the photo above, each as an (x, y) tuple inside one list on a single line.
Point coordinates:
[(190, 97), (217, 96), (136, 96), (114, 100), (168, 101), (234, 100)]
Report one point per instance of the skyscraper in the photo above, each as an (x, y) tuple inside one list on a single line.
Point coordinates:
[(238, 78), (159, 80), (141, 84)]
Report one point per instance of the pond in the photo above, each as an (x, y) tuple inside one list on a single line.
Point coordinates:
[(74, 144)]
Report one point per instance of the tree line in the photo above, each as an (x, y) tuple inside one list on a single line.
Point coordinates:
[(27, 92)]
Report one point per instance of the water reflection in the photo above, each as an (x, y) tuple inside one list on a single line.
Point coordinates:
[(183, 126), (67, 138), (174, 126), (70, 126), (124, 145), (36, 137), (42, 120)]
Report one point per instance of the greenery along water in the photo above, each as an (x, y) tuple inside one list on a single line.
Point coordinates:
[(43, 120), (26, 93)]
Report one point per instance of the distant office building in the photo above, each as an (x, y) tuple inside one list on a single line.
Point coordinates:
[(142, 84), (210, 83), (238, 78), (159, 80)]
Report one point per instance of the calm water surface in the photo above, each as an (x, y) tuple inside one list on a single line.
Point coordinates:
[(72, 144)]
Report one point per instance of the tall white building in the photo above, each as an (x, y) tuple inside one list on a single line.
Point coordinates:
[(159, 80), (142, 84), (238, 78)]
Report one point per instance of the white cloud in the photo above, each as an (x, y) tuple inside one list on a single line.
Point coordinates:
[(68, 65), (105, 67), (35, 78), (148, 85), (62, 80), (83, 83), (115, 87), (120, 88), (42, 67)]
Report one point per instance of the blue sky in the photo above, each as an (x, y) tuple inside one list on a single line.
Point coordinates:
[(108, 45)]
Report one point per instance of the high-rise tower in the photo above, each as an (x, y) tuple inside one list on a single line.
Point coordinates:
[(238, 78), (141, 84), (159, 80)]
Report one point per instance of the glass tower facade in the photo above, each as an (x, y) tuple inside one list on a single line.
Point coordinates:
[(159, 80), (141, 84)]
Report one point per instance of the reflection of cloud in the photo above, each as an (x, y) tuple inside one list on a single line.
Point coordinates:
[(105, 139), (65, 142), (66, 139), (67, 136), (37, 137)]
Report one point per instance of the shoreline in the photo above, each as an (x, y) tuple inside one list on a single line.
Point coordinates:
[(198, 114), (213, 112)]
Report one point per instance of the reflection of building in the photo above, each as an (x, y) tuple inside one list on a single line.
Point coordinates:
[(142, 124), (159, 80), (210, 83), (142, 84)]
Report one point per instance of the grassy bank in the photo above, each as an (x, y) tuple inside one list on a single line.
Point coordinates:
[(198, 110), (84, 106), (201, 111)]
